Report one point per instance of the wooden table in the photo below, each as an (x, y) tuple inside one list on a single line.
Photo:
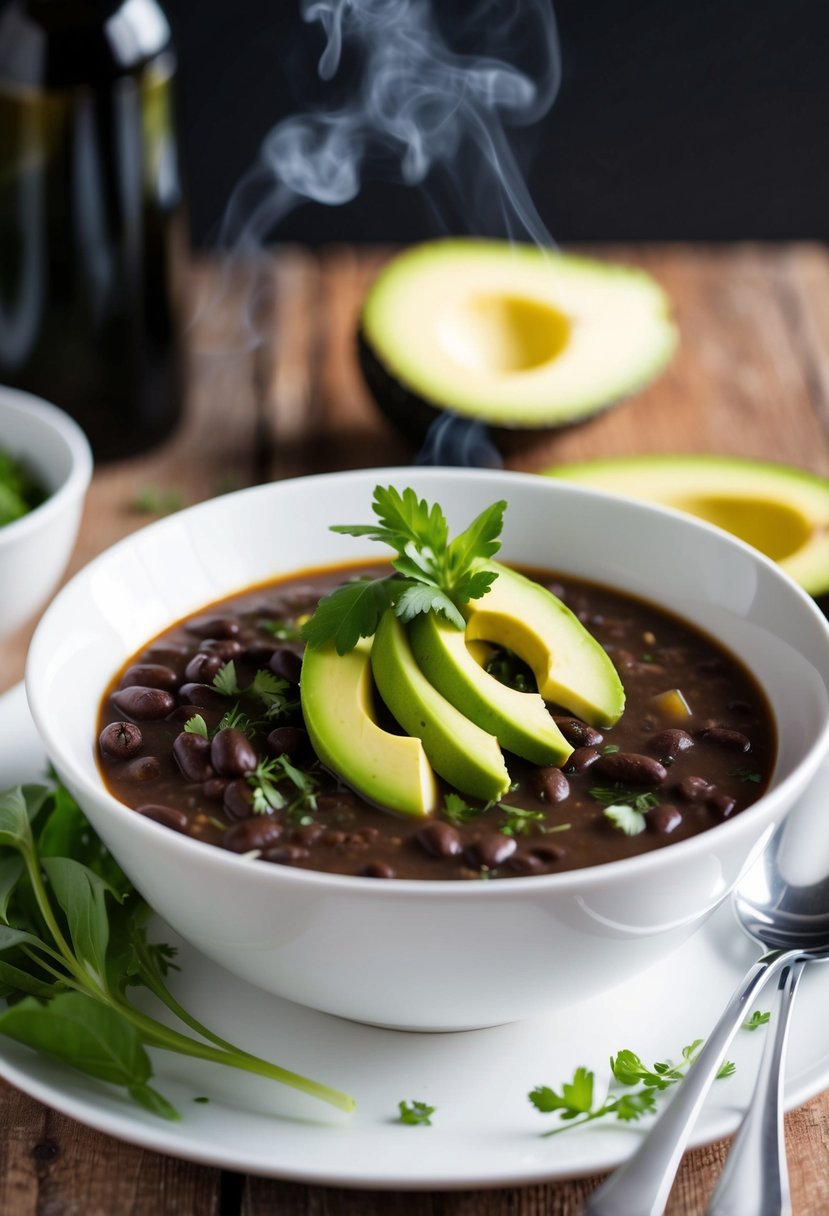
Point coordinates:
[(751, 378)]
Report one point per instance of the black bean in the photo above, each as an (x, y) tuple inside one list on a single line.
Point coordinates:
[(203, 696), (185, 713), (259, 832), (578, 733), (232, 753), (523, 864), (288, 741), (144, 704), (192, 753), (489, 851), (286, 854), (224, 648), (693, 789), (202, 667), (669, 744), (238, 799), (722, 805), (664, 819), (307, 835), (150, 675), (120, 740), (439, 840), (142, 768), (286, 664), (549, 852), (169, 816), (213, 627), (259, 653), (333, 838), (551, 784), (377, 869), (630, 768), (734, 740), (214, 789), (580, 759)]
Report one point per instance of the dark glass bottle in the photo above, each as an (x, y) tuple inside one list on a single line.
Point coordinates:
[(92, 232)]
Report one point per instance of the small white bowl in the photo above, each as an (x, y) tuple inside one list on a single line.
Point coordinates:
[(35, 550), (429, 955)]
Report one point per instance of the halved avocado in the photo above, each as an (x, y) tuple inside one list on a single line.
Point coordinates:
[(513, 336), (466, 756), (781, 510), (336, 692)]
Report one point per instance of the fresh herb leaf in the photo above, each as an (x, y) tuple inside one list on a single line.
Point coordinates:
[(520, 822), (626, 818), (610, 749), (416, 1114), (745, 774), (266, 796), (756, 1020), (457, 810), (282, 631), (617, 795), (20, 492), (225, 680), (196, 726), (576, 1104), (432, 574), (76, 939)]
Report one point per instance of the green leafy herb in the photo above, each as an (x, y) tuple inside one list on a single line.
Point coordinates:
[(150, 500), (416, 1114), (269, 690), (457, 810), (576, 1102), (610, 749), (20, 492), (626, 818), (267, 797), (433, 574), (73, 941), (283, 631), (520, 822), (617, 795), (745, 774), (196, 726), (757, 1019)]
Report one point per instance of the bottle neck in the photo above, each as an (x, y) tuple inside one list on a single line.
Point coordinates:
[(61, 44)]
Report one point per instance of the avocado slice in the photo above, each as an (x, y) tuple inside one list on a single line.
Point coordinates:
[(781, 510), (570, 667), (510, 335), (466, 756), (520, 721), (336, 693)]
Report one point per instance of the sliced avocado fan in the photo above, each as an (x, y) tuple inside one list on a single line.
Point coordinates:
[(510, 335), (781, 510)]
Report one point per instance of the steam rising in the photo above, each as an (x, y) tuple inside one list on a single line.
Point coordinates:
[(419, 106)]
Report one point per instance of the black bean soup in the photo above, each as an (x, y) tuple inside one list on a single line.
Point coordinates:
[(694, 747)]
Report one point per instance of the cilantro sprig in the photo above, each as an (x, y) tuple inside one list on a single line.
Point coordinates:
[(73, 941), (432, 572), (576, 1103), (415, 1114)]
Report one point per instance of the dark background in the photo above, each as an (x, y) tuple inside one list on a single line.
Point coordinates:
[(676, 119)]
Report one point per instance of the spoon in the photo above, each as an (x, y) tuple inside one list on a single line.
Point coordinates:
[(783, 903)]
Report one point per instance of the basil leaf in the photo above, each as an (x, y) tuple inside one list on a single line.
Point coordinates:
[(82, 895), (16, 981), (154, 1102), (15, 828), (11, 868)]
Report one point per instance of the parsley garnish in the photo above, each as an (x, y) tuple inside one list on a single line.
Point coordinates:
[(73, 943), (270, 690), (416, 1114), (457, 810), (757, 1019), (196, 726), (745, 774), (576, 1104), (626, 818), (617, 795), (268, 797), (520, 822), (282, 631), (433, 574)]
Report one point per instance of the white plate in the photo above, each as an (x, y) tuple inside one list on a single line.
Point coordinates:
[(485, 1132)]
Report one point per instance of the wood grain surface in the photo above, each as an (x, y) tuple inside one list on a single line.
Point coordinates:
[(274, 391)]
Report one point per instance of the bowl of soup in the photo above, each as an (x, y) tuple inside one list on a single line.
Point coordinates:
[(173, 692)]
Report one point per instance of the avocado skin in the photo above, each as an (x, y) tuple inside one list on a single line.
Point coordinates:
[(413, 415)]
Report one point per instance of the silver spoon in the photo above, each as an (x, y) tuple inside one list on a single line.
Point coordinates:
[(783, 903)]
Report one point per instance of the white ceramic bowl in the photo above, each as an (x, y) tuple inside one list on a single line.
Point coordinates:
[(35, 549), (428, 955)]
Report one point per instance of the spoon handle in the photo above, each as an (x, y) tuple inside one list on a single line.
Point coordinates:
[(641, 1186), (755, 1178)]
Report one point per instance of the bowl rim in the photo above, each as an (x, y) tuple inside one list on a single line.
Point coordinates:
[(76, 481), (638, 866)]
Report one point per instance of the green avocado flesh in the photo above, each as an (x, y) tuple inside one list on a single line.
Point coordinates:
[(571, 669), (337, 703), (510, 335), (462, 753), (780, 510)]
